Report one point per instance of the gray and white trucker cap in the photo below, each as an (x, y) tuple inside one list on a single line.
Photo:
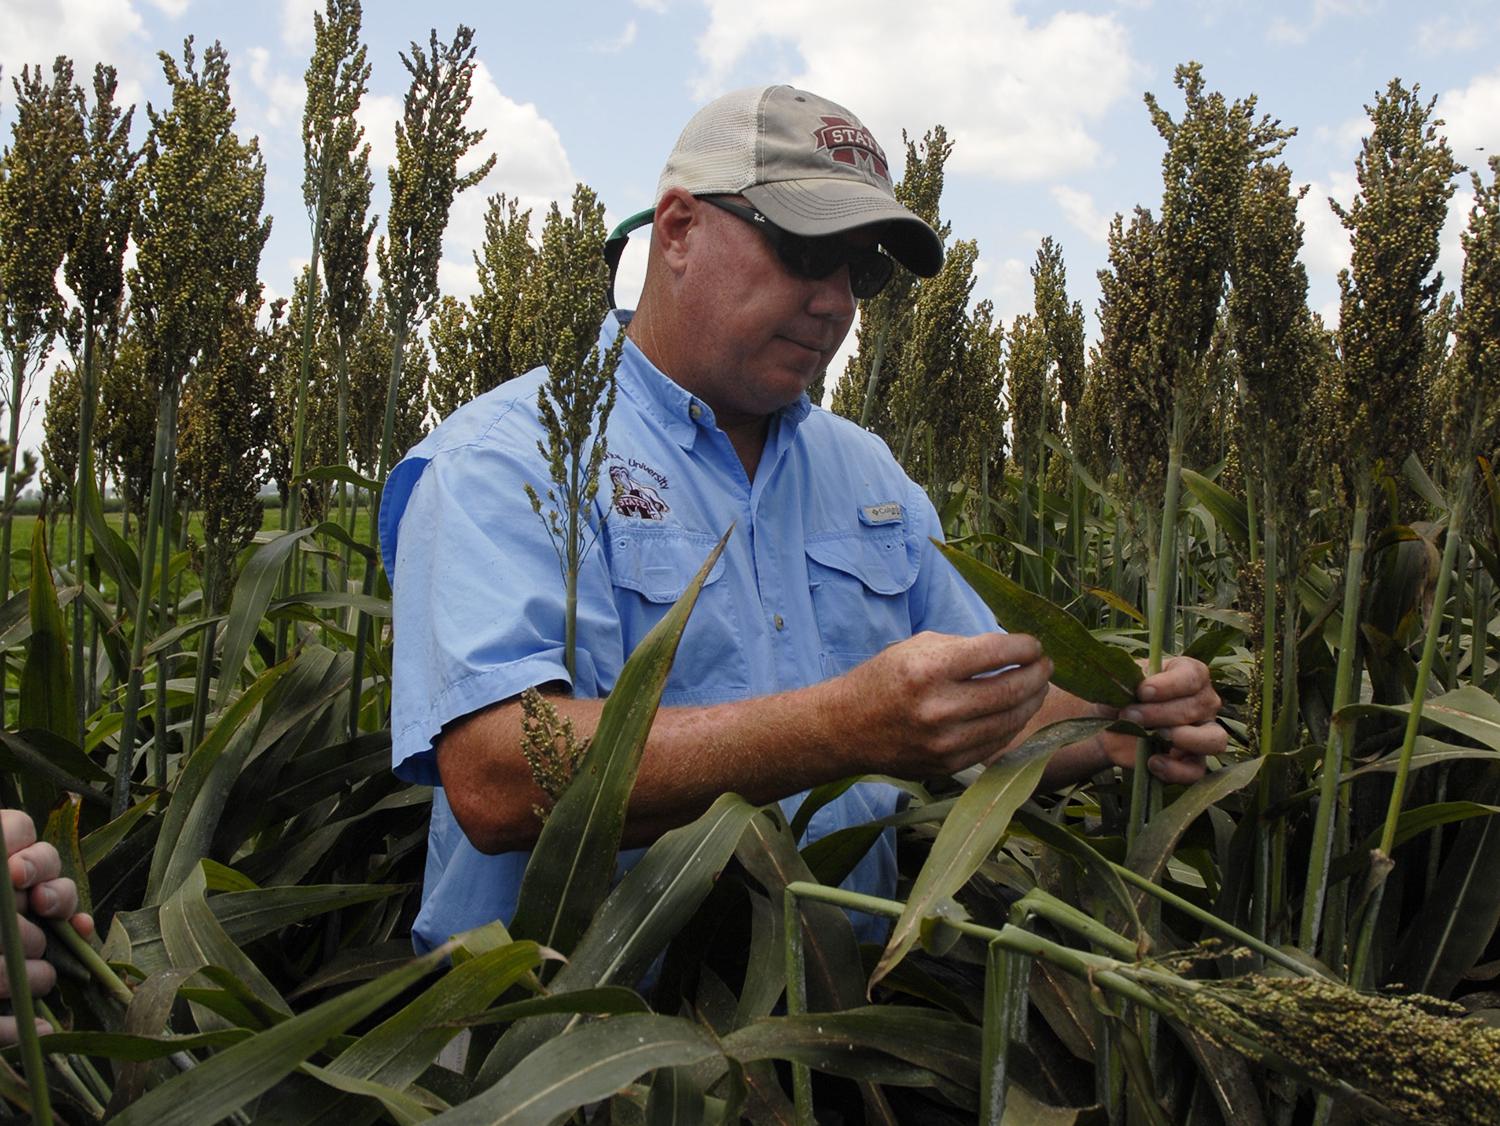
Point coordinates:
[(804, 162)]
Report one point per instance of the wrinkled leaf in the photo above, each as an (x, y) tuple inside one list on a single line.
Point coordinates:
[(61, 832), (916, 1040), (1114, 601), (1468, 710), (135, 936), (1154, 847), (971, 832), (634, 925), (195, 939), (198, 798), (1459, 917), (1082, 664), (116, 558), (1412, 823)]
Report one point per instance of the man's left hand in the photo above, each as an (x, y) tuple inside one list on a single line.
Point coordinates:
[(42, 892), (1178, 704)]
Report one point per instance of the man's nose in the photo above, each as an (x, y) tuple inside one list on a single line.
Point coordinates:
[(832, 296)]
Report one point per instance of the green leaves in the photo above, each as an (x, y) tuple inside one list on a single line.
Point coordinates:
[(252, 594), (1082, 665), (973, 829), (584, 1066), (228, 1080), (47, 700), (574, 858)]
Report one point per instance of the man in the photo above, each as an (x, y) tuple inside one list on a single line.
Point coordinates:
[(35, 871), (831, 639)]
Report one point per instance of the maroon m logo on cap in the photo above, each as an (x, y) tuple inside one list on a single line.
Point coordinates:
[(850, 143)]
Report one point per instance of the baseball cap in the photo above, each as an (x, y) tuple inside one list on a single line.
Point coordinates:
[(807, 164)]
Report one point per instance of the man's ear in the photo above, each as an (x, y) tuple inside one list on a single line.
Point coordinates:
[(676, 216)]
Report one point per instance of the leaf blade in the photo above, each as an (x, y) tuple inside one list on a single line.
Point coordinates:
[(1082, 664)]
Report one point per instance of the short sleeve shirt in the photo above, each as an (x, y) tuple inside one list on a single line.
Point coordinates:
[(829, 561)]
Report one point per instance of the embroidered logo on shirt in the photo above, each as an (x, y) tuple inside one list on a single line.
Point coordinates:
[(631, 497), (887, 513)]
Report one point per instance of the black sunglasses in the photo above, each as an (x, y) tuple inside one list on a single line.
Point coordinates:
[(816, 258)]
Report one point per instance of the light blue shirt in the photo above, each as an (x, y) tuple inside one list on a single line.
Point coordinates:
[(830, 561)]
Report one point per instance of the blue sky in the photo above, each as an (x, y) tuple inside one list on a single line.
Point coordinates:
[(1043, 100)]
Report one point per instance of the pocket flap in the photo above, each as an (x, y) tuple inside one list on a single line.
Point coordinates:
[(658, 563), (876, 556)]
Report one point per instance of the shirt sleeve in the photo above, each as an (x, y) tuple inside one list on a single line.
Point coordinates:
[(478, 594), (940, 598)]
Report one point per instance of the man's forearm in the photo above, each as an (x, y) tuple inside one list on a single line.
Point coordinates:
[(763, 749), (915, 710)]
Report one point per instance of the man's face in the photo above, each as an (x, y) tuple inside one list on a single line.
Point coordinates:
[(765, 333)]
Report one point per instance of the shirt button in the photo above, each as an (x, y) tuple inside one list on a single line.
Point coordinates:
[(779, 623), (695, 412)]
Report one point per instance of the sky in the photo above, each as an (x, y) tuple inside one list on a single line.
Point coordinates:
[(1042, 101)]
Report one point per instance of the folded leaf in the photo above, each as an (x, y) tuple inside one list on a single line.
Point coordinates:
[(1082, 664)]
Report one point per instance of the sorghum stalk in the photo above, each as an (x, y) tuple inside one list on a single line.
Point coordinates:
[(1413, 720), (873, 385), (1321, 857), (796, 998), (126, 754), (20, 1001), (1260, 906), (88, 396), (1145, 792)]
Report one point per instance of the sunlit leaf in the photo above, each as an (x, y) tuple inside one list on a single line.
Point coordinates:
[(1082, 664)]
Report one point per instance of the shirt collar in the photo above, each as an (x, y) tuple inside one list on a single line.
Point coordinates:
[(679, 413)]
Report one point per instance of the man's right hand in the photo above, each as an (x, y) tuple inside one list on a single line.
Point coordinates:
[(935, 703)]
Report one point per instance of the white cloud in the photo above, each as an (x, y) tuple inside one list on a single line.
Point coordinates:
[(1447, 35), (1342, 141), (378, 113), (1450, 247), (1019, 97), (1080, 210), (1325, 242), (1472, 117), (618, 43), (655, 7), (283, 96), (297, 22), (172, 8), (532, 167), (1007, 283), (87, 31)]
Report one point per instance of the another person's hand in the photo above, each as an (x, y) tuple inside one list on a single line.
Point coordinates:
[(1178, 704), (42, 892), (935, 704)]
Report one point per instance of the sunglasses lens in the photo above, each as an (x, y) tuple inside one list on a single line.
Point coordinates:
[(869, 269), (868, 273)]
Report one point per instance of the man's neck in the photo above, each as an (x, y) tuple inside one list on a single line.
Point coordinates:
[(746, 434)]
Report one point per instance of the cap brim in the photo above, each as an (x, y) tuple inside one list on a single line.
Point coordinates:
[(815, 208)]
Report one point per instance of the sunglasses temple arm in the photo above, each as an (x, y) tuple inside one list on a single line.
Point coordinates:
[(614, 246)]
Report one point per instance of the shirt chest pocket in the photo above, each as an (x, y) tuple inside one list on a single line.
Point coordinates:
[(651, 567), (860, 582)]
